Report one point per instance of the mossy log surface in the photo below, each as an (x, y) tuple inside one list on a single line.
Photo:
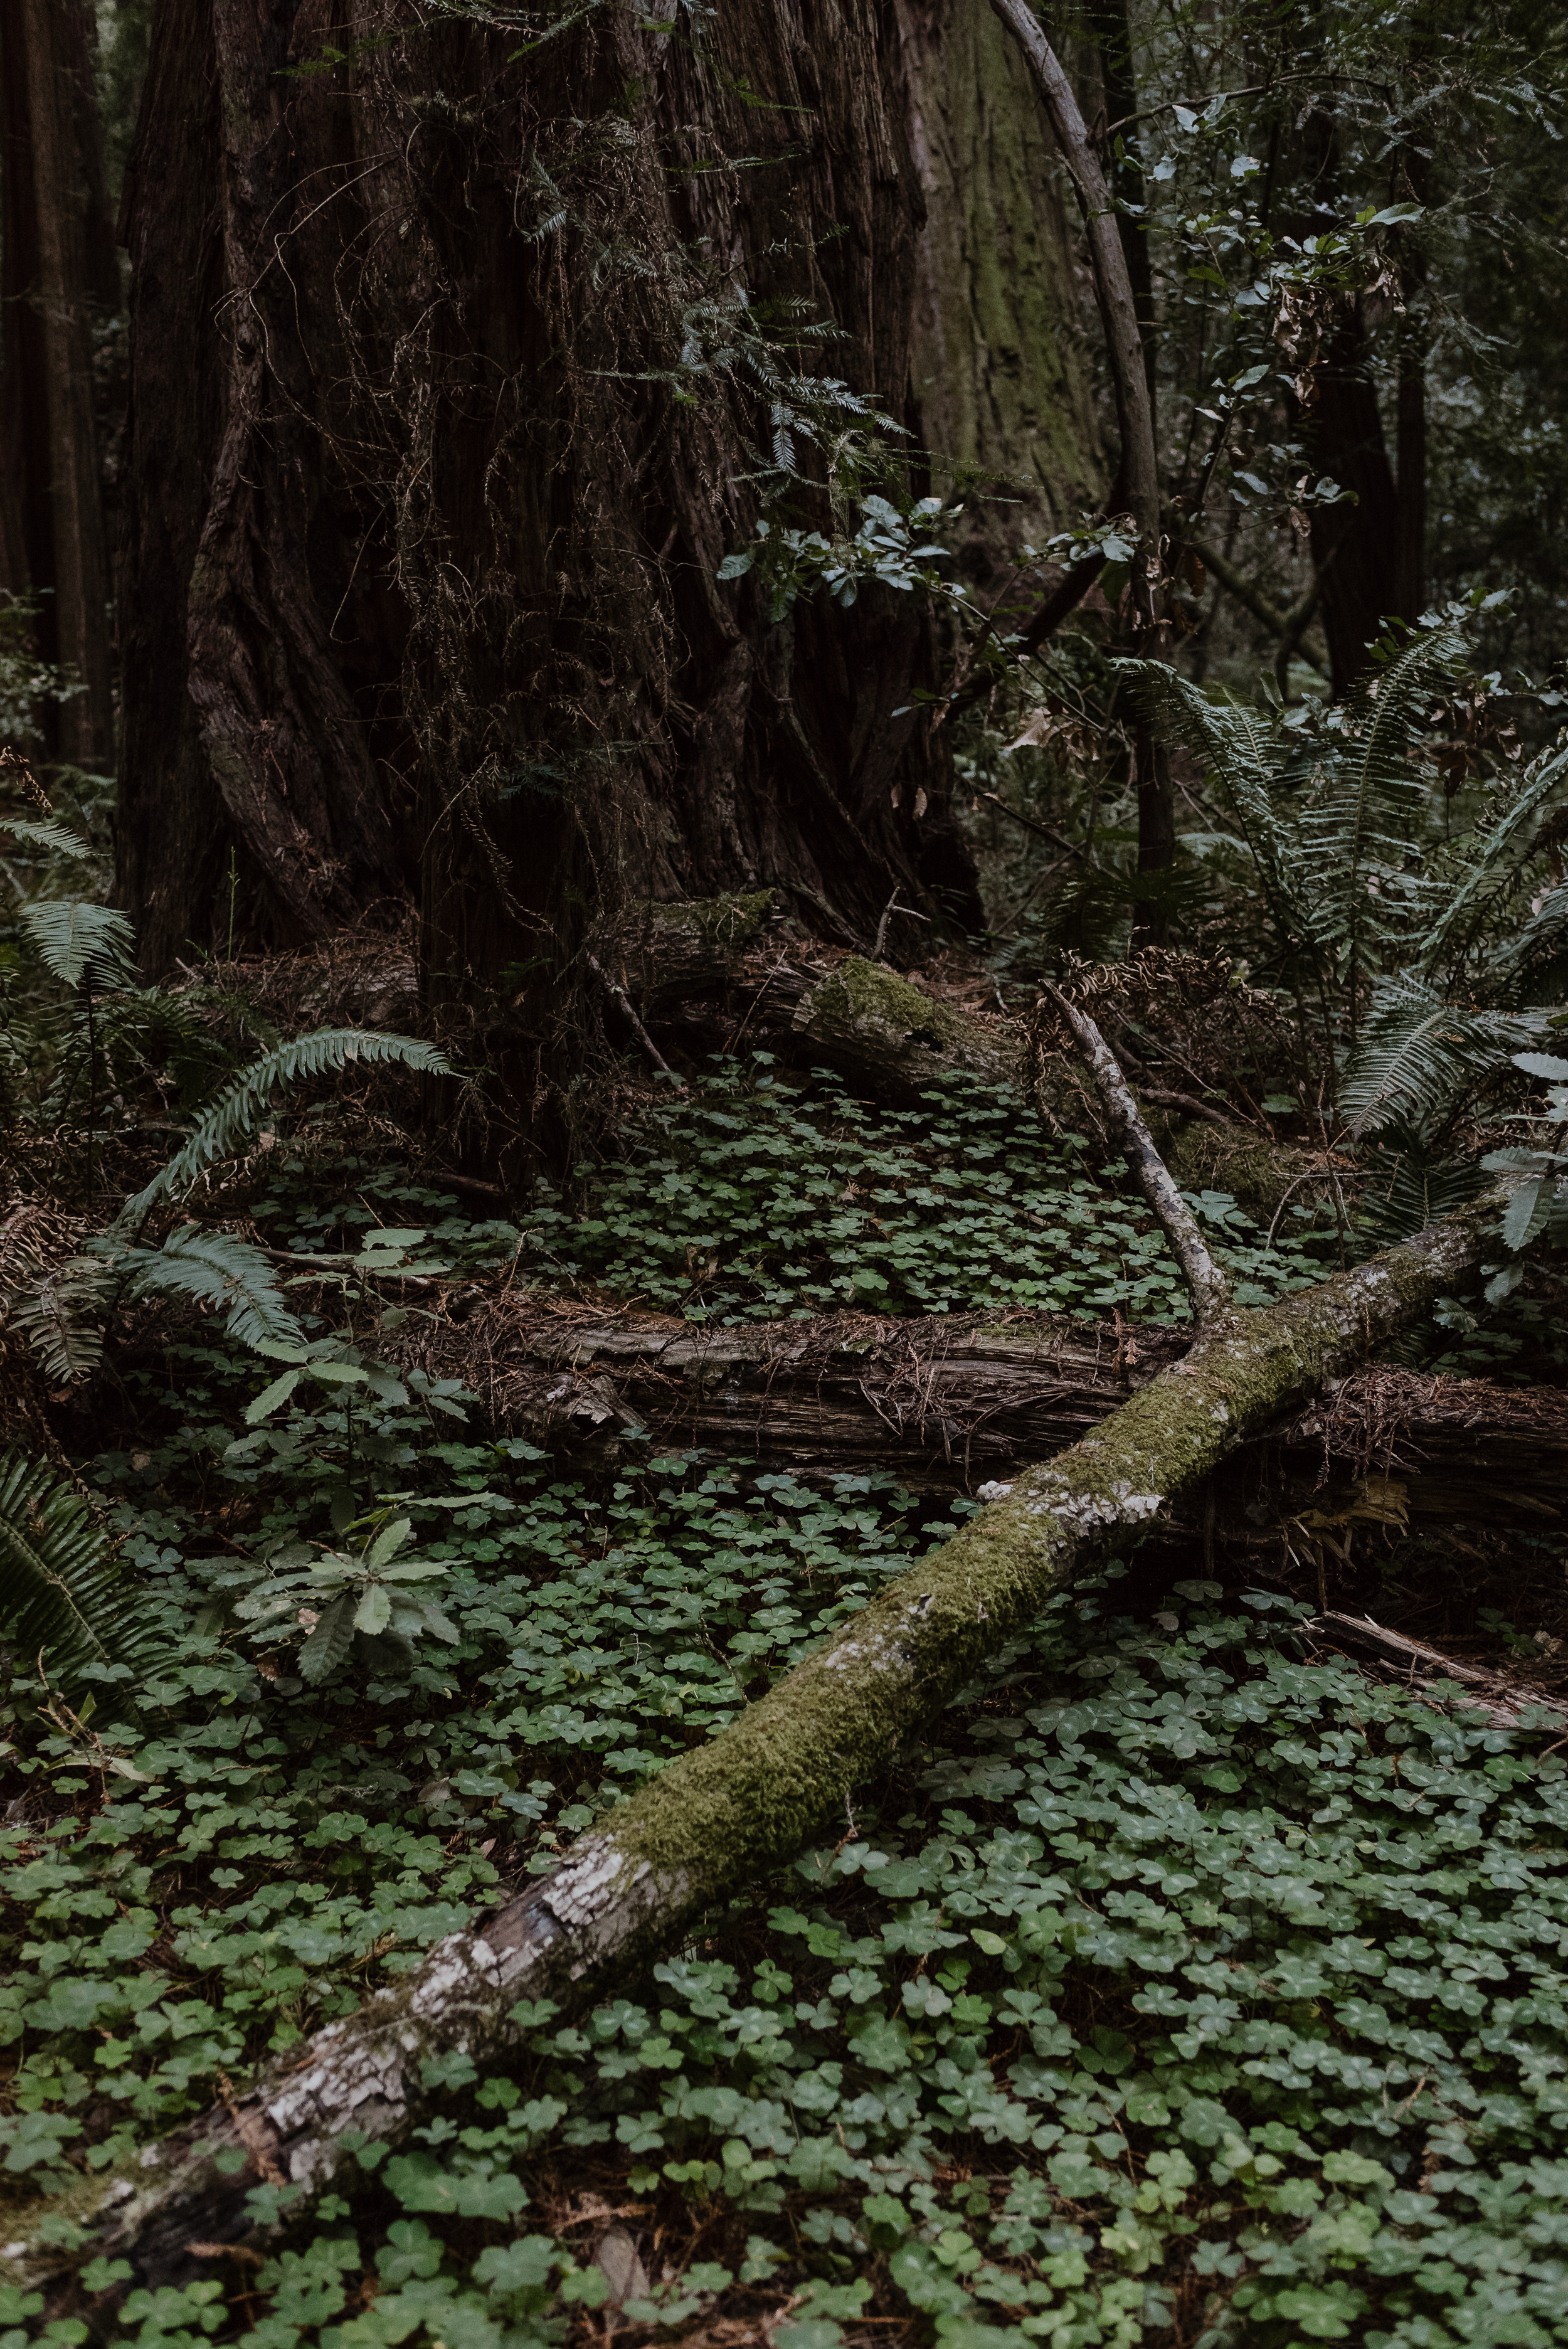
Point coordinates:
[(729, 971), (748, 1800)]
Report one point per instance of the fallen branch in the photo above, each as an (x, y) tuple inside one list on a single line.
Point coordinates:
[(1206, 1284), (1418, 1667), (748, 1801)]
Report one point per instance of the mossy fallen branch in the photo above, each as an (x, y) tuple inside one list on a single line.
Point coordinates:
[(751, 1798)]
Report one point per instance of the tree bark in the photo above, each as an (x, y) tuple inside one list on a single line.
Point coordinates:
[(438, 569), (57, 274), (1132, 378), (1356, 548), (749, 1799), (999, 371)]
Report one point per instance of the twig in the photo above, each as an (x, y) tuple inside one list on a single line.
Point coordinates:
[(622, 1003), (1492, 1693), (1206, 1284), (889, 910), (1033, 824), (1186, 1101)]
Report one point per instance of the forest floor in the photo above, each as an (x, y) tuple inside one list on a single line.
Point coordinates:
[(1187, 1983)]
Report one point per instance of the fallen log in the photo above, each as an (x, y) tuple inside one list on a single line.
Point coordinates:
[(748, 1800), (950, 1402), (725, 972)]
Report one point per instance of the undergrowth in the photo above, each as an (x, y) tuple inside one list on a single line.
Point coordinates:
[(1174, 1989), (760, 1199)]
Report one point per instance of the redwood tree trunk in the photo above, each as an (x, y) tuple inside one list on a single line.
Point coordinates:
[(464, 347)]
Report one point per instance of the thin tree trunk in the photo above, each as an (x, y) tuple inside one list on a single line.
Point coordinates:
[(748, 1800), (55, 275), (1110, 24), (1354, 546), (1117, 307)]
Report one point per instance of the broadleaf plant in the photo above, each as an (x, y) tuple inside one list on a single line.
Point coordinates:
[(370, 1608)]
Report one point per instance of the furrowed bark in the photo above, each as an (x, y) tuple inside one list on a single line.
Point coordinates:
[(751, 1798)]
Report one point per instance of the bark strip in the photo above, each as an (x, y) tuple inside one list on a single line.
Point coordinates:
[(748, 1800)]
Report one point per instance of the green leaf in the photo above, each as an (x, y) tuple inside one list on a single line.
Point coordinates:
[(329, 1643), (1527, 1211), (374, 1611), (1543, 1064), (272, 1397), (387, 1542)]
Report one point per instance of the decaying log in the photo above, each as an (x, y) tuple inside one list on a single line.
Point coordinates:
[(948, 1400), (725, 973), (728, 971), (750, 1798)]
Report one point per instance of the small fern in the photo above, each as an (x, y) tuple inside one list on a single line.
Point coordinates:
[(76, 939), (57, 1309), (1420, 1057), (63, 1600), (1486, 875), (236, 1112), (1331, 810), (1409, 1186), (215, 1267)]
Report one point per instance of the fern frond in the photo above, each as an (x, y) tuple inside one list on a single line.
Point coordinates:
[(1407, 1188), (217, 1268), (1241, 751), (55, 1310), (1535, 963), (61, 1592), (1488, 871), (1420, 1057), (51, 836), (236, 1112), (78, 939)]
